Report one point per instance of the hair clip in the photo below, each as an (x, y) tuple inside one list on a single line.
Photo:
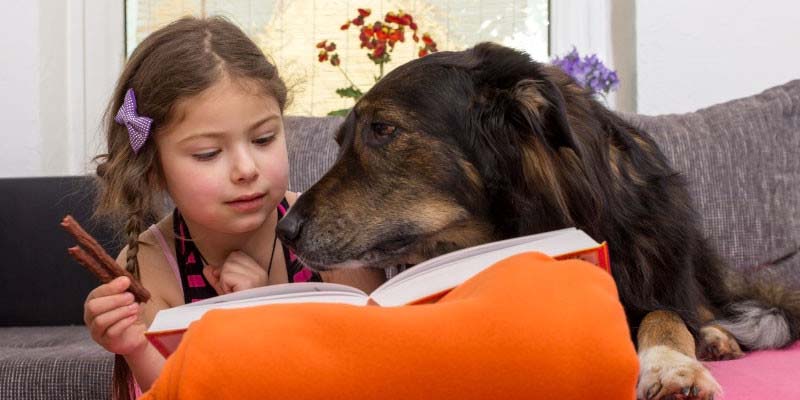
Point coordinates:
[(138, 126)]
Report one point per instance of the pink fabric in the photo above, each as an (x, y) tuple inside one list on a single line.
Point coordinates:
[(773, 374), (302, 276), (195, 281), (167, 252)]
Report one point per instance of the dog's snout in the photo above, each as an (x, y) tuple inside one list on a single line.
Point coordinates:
[(289, 228)]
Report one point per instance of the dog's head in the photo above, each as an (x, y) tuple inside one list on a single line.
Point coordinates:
[(447, 151)]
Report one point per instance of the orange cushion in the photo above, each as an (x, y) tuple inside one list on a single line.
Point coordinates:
[(528, 327)]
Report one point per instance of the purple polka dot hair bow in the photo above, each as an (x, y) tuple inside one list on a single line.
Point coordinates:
[(138, 126)]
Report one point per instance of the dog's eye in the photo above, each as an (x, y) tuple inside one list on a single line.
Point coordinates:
[(384, 131)]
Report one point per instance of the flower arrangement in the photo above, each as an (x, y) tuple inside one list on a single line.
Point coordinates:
[(379, 38), (589, 72)]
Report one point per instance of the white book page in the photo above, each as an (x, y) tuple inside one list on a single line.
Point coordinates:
[(181, 316), (450, 270), (283, 289)]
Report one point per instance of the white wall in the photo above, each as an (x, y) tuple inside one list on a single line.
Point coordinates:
[(691, 54), (58, 63), (19, 92)]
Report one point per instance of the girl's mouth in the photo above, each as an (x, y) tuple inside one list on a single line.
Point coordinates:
[(248, 203)]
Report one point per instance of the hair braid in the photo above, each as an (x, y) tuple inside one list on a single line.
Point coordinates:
[(132, 229), (121, 384)]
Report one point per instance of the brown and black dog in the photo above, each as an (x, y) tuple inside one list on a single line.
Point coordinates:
[(461, 148)]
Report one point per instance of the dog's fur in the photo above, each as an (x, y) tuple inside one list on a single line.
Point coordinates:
[(461, 148)]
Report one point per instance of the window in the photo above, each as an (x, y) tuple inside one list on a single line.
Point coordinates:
[(288, 31)]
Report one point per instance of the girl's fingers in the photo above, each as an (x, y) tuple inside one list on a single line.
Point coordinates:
[(212, 274), (125, 335), (233, 280), (119, 328), (101, 323), (101, 305), (118, 285)]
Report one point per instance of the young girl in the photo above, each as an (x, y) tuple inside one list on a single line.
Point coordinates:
[(196, 114)]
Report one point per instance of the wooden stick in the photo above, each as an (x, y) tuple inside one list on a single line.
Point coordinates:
[(94, 258)]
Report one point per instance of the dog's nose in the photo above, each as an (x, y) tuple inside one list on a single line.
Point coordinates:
[(289, 228)]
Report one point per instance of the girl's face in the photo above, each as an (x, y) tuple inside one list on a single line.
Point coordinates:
[(224, 157)]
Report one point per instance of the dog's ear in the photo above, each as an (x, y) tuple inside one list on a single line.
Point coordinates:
[(543, 112), (516, 92)]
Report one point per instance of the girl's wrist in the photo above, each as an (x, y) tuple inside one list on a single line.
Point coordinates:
[(138, 351)]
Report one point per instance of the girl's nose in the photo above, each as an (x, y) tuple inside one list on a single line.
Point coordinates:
[(244, 167)]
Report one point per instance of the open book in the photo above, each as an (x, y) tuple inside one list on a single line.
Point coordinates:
[(423, 283)]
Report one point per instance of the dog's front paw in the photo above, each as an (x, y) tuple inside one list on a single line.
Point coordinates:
[(717, 344), (669, 374)]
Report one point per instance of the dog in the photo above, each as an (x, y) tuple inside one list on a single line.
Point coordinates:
[(461, 148)]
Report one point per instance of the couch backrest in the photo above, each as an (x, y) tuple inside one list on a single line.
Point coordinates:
[(312, 148), (39, 283), (742, 161)]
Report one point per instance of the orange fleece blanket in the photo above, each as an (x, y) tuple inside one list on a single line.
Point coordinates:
[(528, 327)]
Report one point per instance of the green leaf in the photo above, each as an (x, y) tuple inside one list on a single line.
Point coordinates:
[(351, 92), (339, 113)]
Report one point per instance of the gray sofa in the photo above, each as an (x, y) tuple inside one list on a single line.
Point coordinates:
[(740, 157)]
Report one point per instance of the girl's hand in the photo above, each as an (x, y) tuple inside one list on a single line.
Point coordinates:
[(238, 272), (112, 317)]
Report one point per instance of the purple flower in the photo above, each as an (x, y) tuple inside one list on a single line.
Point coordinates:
[(589, 72)]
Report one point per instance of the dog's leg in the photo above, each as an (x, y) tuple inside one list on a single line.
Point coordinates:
[(669, 367), (716, 343)]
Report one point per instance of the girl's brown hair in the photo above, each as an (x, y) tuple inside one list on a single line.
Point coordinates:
[(175, 62)]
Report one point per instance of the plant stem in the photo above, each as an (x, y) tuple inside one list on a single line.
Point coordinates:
[(348, 78)]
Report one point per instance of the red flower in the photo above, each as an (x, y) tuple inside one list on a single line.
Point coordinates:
[(380, 50), (379, 37), (396, 35)]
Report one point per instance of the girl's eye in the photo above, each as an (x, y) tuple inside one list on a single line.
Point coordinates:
[(263, 140), (206, 155)]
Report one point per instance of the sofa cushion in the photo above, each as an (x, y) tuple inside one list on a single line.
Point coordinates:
[(767, 374), (741, 160), (59, 362)]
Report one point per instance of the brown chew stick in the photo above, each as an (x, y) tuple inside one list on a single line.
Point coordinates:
[(92, 256), (82, 257)]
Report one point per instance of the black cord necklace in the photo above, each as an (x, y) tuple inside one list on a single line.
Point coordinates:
[(272, 255)]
